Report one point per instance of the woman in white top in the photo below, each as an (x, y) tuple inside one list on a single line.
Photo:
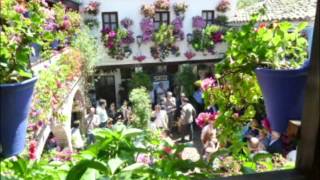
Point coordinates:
[(161, 118)]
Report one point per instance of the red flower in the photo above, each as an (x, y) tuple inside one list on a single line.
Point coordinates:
[(167, 149)]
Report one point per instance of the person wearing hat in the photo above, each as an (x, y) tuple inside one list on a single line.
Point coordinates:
[(188, 113)]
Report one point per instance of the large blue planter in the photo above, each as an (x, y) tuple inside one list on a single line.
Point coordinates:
[(14, 109), (283, 92)]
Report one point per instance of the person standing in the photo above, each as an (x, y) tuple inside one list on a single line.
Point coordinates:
[(160, 92), (209, 140), (170, 106), (112, 112), (92, 121), (124, 110), (161, 118), (187, 116), (102, 113)]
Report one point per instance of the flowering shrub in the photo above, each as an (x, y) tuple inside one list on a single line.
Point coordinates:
[(144, 159), (139, 58), (205, 118), (55, 82), (92, 8), (147, 28), (180, 7), (198, 23), (206, 39), (148, 10), (223, 6), (164, 40), (162, 4), (189, 54), (141, 107), (126, 22), (178, 28), (91, 23), (117, 42)]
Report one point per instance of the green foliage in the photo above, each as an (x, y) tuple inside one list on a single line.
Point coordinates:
[(25, 23), (17, 33), (54, 84), (164, 36), (186, 78), (203, 39), (245, 3), (22, 168), (141, 79), (91, 49), (164, 40), (275, 46), (141, 106)]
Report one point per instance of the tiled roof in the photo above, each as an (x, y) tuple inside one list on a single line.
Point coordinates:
[(291, 10)]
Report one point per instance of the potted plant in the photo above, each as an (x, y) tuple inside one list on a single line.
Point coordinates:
[(148, 10), (275, 52), (180, 8), (21, 25), (223, 6), (92, 8), (162, 5)]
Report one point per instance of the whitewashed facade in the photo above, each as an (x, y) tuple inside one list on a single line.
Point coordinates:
[(131, 9)]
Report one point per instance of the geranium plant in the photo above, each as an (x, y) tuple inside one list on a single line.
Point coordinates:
[(21, 25), (91, 23), (223, 6), (189, 54), (126, 22), (178, 28), (198, 23), (206, 39), (139, 58), (92, 8), (162, 4), (117, 42), (180, 7), (147, 27), (148, 10), (164, 40)]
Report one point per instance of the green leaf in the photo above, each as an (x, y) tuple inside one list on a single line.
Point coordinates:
[(114, 164), (131, 132), (79, 169), (133, 167)]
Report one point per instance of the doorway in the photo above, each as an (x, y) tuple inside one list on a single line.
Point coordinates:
[(105, 88)]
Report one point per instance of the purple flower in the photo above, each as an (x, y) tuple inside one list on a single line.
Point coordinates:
[(198, 22), (189, 54), (144, 158), (217, 37), (129, 39), (147, 27), (50, 25)]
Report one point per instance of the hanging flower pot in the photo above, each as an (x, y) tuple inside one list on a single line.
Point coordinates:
[(14, 109), (283, 92)]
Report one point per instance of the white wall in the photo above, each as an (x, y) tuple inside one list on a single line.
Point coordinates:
[(131, 9)]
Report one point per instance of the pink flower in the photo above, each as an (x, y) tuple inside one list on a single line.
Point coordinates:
[(189, 55), (66, 24), (206, 117), (139, 58), (207, 83), (144, 158), (112, 34), (20, 9), (32, 150)]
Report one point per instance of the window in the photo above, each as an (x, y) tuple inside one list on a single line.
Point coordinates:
[(161, 17), (110, 20), (208, 16)]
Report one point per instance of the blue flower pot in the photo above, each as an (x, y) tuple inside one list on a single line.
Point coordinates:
[(283, 92), (14, 110)]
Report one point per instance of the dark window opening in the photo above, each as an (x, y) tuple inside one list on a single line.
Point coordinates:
[(208, 16), (161, 17), (110, 20)]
